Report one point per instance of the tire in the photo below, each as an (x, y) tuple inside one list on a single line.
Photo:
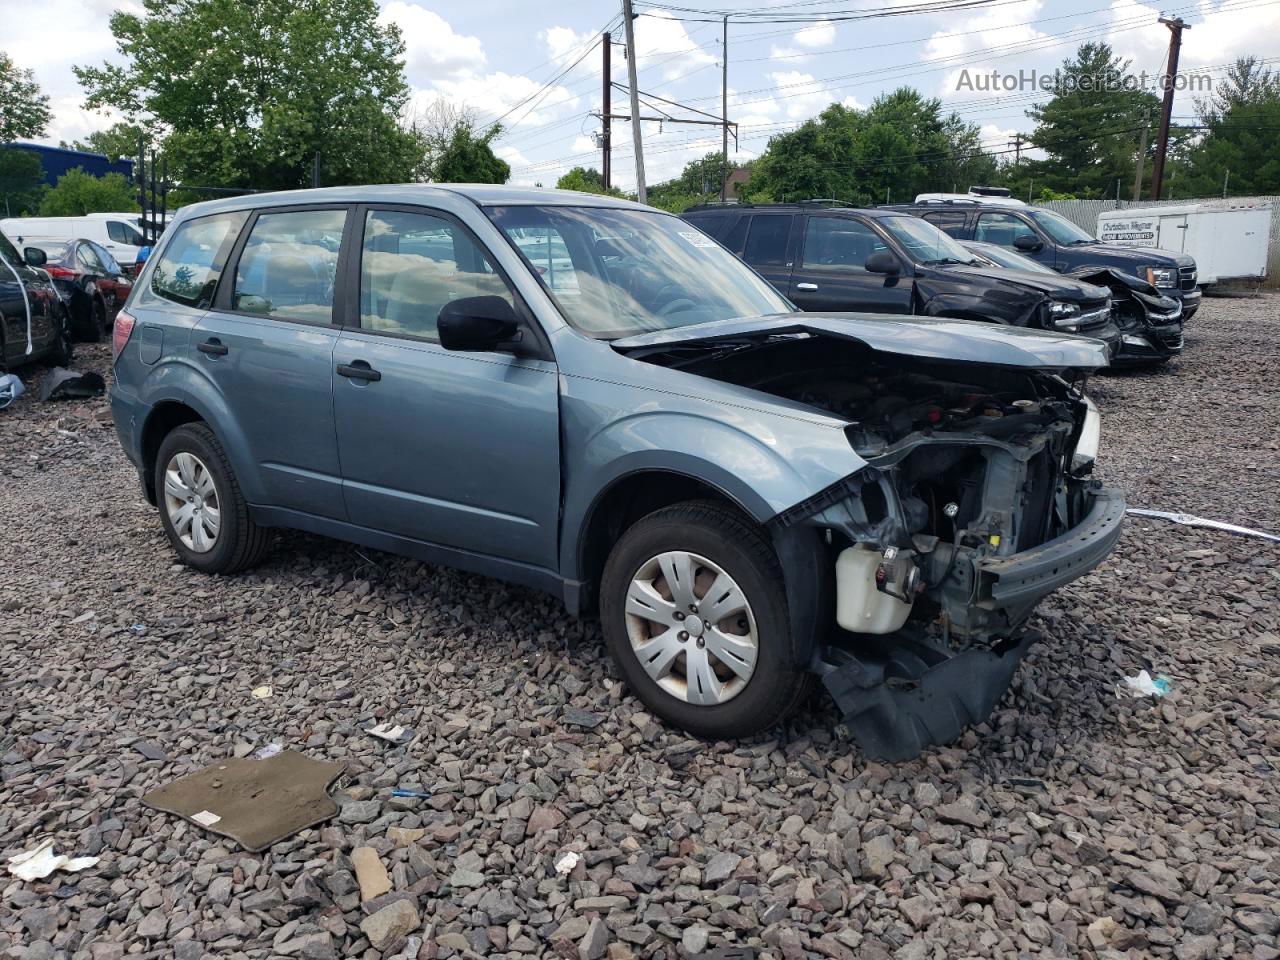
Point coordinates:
[(718, 541), (238, 543), (60, 355), (101, 322)]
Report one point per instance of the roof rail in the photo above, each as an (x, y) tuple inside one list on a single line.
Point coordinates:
[(718, 205), (825, 202)]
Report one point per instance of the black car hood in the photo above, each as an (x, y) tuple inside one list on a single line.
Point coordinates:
[(1118, 281), (934, 338), (1057, 286), (1138, 256)]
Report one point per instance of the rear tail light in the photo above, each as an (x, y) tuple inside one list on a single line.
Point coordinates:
[(61, 273), (120, 333)]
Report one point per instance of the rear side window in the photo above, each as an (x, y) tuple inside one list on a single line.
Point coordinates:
[(412, 264), (188, 269), (88, 259), (949, 222), (288, 265), (767, 240)]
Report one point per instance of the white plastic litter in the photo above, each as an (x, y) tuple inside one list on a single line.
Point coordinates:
[(566, 864), (261, 693), (1144, 685), (11, 389), (1189, 520), (393, 734), (267, 752), (40, 861)]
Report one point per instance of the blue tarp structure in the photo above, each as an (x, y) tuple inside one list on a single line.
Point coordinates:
[(58, 160)]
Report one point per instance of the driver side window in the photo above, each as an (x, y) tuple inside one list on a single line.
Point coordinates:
[(1001, 229), (838, 242), (412, 264)]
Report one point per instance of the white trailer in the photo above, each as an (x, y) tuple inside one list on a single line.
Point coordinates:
[(1228, 240)]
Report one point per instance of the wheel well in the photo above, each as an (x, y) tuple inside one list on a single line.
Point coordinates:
[(628, 500), (163, 420)]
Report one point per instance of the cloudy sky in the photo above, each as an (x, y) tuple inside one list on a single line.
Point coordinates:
[(537, 67)]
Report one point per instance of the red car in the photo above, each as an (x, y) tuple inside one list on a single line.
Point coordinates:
[(90, 282)]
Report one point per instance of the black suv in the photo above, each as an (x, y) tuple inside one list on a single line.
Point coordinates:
[(1055, 241), (830, 258)]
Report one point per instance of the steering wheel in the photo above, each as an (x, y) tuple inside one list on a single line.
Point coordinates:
[(676, 305)]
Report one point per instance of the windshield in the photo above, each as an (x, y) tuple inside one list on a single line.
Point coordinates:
[(924, 242), (1061, 229), (617, 273), (1004, 257)]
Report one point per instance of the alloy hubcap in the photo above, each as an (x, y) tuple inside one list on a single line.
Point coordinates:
[(191, 500), (691, 628)]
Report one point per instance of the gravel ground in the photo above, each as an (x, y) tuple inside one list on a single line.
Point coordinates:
[(1075, 823)]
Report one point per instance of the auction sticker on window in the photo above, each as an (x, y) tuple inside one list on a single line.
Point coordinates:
[(697, 239)]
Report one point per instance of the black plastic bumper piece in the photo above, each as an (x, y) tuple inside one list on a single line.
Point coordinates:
[(899, 695)]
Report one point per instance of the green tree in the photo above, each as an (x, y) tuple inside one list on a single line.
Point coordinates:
[(117, 141), (586, 180), (1089, 127), (249, 92), (899, 146), (1247, 82), (78, 193), (468, 157), (24, 109), (21, 181)]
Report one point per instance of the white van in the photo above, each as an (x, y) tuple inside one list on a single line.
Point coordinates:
[(118, 232)]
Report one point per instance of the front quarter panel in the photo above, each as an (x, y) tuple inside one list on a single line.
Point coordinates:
[(763, 460)]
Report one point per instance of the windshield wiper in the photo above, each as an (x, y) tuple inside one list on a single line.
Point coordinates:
[(947, 260)]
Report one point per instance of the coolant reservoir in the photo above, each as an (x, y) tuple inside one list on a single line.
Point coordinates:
[(860, 607)]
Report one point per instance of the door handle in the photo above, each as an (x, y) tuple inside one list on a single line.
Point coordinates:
[(358, 370), (213, 346), (806, 286)]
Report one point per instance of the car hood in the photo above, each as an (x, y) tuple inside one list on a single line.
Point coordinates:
[(1057, 286), (933, 338), (1137, 256)]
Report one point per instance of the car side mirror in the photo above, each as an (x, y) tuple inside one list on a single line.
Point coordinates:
[(478, 323), (34, 256), (1027, 243), (884, 262)]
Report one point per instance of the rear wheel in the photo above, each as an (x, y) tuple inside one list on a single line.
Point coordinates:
[(694, 612), (201, 507)]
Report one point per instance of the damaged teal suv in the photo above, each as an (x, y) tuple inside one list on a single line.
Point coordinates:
[(594, 398)]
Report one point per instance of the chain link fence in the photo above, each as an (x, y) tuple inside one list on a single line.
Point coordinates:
[(1084, 213)]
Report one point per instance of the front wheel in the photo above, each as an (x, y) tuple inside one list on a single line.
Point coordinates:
[(694, 612), (201, 507), (63, 348)]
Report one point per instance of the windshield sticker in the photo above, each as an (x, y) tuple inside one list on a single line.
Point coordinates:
[(697, 239)]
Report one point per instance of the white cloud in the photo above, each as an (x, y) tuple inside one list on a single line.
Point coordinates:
[(820, 34), (804, 95), (432, 49), (662, 42)]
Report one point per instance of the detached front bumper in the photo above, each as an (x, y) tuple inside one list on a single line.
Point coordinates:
[(902, 692), (1149, 345)]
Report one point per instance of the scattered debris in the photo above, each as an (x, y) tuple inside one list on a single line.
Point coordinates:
[(152, 751), (412, 794), (256, 802), (263, 692), (1189, 520), (1143, 685), (138, 629), (11, 389), (40, 861), (64, 384), (390, 733), (267, 752), (566, 864)]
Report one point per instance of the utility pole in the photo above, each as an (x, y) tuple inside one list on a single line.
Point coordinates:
[(724, 112), (1176, 25), (1142, 156), (606, 143), (636, 138), (1016, 143)]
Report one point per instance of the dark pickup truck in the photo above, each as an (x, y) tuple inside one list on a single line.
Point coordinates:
[(1055, 241), (827, 258)]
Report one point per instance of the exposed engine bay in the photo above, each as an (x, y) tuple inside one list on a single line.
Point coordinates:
[(975, 503)]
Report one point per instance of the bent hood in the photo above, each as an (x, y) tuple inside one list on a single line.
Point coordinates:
[(933, 338), (1114, 254), (1056, 285)]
